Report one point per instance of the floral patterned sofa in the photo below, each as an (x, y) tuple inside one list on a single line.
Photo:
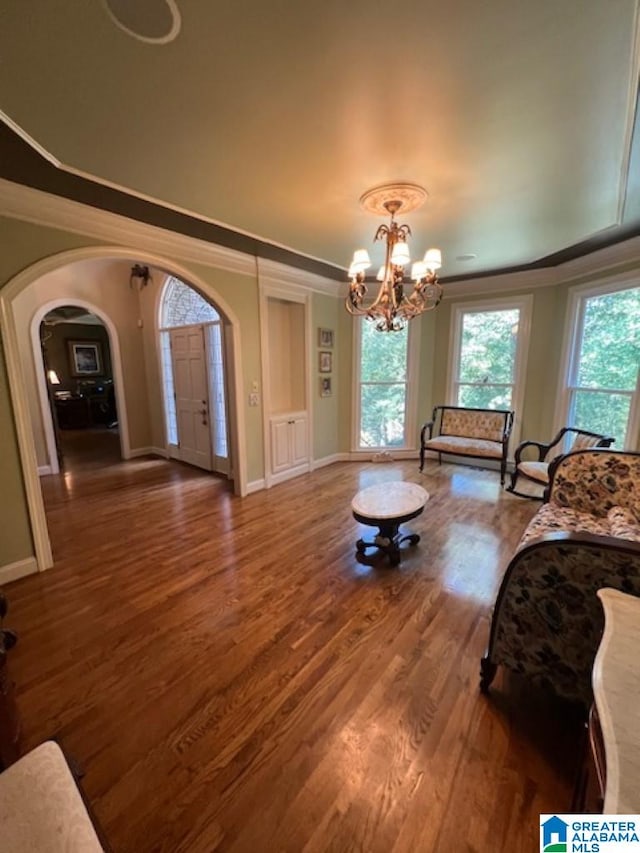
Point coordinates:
[(479, 433), (547, 621)]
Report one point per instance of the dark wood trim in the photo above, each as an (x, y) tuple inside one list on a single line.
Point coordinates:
[(22, 164)]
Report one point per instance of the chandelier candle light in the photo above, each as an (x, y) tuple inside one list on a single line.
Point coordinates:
[(392, 308)]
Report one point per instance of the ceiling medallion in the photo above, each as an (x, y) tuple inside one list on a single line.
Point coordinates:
[(408, 196), (393, 308), (151, 21)]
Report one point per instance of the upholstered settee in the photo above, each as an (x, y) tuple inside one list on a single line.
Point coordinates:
[(547, 621), (459, 431)]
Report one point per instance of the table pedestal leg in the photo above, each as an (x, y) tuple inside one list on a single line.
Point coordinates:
[(388, 540)]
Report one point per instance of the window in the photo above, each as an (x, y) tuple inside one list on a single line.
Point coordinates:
[(385, 407), (489, 343), (601, 392), (183, 306)]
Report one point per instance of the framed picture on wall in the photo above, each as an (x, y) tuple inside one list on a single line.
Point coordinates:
[(324, 362), (325, 386), (325, 338), (85, 358)]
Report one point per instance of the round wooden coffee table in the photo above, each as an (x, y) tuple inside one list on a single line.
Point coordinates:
[(387, 506)]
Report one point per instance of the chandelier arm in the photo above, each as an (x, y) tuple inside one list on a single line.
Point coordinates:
[(353, 310)]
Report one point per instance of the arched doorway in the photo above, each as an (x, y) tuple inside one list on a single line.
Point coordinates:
[(192, 348), (20, 392), (79, 376), (77, 363)]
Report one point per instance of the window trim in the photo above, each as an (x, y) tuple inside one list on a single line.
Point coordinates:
[(572, 343), (523, 303), (411, 382)]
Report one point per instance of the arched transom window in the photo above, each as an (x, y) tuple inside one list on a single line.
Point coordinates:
[(183, 306)]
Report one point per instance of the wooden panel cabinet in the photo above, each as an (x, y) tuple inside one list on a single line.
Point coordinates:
[(289, 445)]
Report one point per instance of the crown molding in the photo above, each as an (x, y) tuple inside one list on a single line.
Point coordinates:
[(525, 280), (602, 260), (273, 273), (124, 193), (41, 208)]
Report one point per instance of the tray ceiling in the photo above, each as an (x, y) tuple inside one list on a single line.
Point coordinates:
[(273, 118)]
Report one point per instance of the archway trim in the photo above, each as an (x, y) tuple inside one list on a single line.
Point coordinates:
[(22, 417), (116, 364)]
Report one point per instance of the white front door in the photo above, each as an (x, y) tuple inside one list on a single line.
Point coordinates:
[(192, 396)]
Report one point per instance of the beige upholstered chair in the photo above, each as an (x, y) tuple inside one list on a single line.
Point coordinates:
[(537, 470)]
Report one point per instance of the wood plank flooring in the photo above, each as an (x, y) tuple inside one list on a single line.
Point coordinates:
[(233, 679)]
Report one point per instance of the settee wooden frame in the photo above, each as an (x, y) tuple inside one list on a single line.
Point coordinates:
[(435, 420)]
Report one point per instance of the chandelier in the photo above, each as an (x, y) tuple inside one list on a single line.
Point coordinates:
[(393, 307)]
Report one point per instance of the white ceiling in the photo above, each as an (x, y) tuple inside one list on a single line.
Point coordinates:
[(273, 117)]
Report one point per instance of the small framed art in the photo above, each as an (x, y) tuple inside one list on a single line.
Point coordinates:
[(325, 386), (85, 358), (325, 338), (324, 362)]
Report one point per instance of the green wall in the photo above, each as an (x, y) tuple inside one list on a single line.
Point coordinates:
[(325, 314), (23, 244), (15, 530)]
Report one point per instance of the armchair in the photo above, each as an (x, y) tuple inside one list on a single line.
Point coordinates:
[(537, 471)]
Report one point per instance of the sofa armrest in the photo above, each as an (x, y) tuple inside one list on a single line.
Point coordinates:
[(427, 426), (543, 449), (547, 621)]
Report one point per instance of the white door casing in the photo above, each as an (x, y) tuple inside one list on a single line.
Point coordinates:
[(192, 396), (218, 395)]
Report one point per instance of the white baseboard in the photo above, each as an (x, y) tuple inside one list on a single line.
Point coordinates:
[(43, 470), (329, 460), (134, 453), (19, 569), (366, 455), (255, 486), (289, 474), (159, 451)]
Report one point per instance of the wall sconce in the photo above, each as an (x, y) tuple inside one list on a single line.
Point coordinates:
[(53, 377), (140, 276)]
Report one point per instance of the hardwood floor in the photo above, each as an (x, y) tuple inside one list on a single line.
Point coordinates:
[(233, 679)]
